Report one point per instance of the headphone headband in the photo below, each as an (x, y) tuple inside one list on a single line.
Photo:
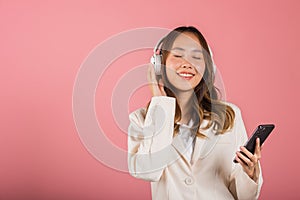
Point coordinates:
[(158, 45)]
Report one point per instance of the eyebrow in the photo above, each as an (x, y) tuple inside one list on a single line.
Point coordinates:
[(182, 49)]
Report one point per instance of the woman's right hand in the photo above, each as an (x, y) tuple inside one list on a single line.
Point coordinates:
[(157, 88)]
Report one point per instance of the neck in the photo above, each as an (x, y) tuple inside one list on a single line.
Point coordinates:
[(184, 100)]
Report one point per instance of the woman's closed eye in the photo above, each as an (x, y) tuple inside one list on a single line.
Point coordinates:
[(177, 55), (197, 57)]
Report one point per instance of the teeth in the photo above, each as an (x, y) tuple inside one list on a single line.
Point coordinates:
[(185, 75)]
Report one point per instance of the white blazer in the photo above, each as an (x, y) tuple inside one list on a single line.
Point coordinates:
[(155, 155)]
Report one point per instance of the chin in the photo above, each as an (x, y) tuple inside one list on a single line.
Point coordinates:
[(182, 88), (180, 85)]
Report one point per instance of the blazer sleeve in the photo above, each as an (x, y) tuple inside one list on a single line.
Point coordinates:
[(241, 185), (149, 139)]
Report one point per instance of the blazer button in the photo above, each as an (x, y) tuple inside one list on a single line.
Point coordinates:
[(189, 181)]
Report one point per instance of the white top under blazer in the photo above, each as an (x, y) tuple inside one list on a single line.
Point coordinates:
[(184, 168)]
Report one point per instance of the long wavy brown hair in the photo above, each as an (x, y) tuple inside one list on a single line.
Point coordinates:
[(206, 102)]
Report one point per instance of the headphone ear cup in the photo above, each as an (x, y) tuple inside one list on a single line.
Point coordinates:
[(157, 66), (156, 61)]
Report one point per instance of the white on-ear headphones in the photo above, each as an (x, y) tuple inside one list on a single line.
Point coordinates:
[(212, 59), (157, 58)]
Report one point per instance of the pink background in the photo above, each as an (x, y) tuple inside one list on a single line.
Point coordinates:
[(43, 44)]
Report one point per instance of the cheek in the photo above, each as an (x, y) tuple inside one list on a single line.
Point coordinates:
[(200, 74), (198, 78), (200, 67), (172, 63)]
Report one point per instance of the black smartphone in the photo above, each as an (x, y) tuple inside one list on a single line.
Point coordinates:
[(262, 132)]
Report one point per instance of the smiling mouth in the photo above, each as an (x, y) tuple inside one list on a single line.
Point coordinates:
[(186, 75)]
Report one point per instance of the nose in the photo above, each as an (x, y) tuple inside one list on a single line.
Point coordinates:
[(186, 65)]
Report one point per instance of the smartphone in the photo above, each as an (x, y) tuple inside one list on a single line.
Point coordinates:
[(262, 132)]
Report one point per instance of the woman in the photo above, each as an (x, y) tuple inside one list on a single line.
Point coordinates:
[(185, 141)]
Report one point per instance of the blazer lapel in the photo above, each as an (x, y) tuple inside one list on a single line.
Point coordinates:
[(203, 146), (180, 147)]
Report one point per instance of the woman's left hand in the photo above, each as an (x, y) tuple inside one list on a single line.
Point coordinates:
[(250, 164)]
